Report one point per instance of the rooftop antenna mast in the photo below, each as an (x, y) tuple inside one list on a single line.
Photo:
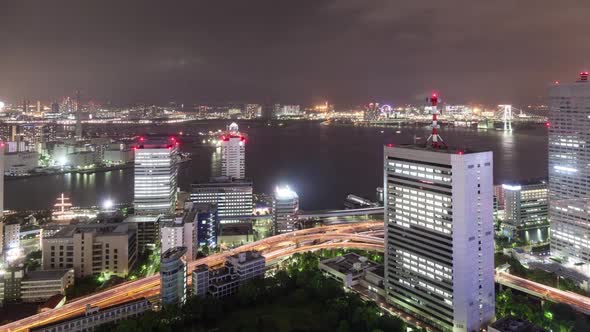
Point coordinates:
[(437, 141)]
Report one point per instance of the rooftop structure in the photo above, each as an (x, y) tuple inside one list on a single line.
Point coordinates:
[(348, 268), (513, 324), (91, 249)]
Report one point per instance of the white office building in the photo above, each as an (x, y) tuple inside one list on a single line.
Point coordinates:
[(526, 206), (173, 276), (181, 232), (12, 236), (439, 262), (155, 181), (233, 153), (232, 197), (1, 182), (569, 169), (285, 209)]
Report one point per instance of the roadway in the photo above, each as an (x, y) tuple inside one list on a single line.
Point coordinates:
[(336, 236), (364, 235)]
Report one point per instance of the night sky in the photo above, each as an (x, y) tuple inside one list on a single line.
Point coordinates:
[(298, 51)]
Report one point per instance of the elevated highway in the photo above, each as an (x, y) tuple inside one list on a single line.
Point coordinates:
[(364, 235)]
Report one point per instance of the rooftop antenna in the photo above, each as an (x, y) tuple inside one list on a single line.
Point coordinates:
[(437, 141)]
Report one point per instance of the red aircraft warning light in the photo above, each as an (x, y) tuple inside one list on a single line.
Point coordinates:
[(584, 76), (437, 141)]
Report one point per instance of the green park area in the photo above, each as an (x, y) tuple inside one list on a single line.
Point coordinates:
[(298, 298)]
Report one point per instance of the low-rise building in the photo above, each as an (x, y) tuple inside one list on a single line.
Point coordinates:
[(119, 156), (348, 269), (93, 317), (513, 324), (81, 159), (226, 280), (39, 286), (92, 249), (20, 163), (200, 278)]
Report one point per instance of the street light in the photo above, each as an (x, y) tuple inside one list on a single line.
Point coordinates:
[(107, 204)]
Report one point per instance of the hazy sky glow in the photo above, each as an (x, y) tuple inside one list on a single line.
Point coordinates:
[(348, 51)]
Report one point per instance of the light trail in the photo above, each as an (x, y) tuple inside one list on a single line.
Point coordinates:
[(151, 285), (364, 236)]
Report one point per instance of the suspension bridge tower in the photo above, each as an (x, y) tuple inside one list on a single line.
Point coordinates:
[(506, 116)]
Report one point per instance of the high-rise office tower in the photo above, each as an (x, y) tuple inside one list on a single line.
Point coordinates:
[(2, 146), (155, 175), (439, 257), (569, 169), (78, 115), (173, 276), (233, 153), (285, 207), (526, 208), (232, 198)]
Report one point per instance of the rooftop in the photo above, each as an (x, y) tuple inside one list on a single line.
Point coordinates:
[(173, 253), (350, 263), (513, 324), (221, 181), (427, 147), (285, 192), (98, 229), (245, 257), (46, 275), (142, 218)]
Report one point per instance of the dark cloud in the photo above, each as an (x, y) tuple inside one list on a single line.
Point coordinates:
[(349, 51)]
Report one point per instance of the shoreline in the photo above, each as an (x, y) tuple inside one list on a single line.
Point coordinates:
[(88, 171)]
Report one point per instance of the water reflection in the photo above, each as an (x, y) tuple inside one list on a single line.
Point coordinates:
[(322, 163)]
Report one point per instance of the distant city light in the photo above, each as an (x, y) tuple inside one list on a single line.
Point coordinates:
[(2, 105), (62, 161)]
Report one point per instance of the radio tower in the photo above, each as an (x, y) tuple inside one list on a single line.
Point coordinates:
[(437, 141)]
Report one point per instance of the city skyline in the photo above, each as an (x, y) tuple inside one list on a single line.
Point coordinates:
[(347, 51)]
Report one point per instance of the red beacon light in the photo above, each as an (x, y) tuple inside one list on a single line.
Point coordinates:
[(141, 138), (460, 152), (389, 145), (548, 124)]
